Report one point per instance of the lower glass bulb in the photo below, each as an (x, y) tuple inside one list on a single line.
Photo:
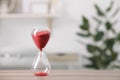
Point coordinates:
[(41, 65)]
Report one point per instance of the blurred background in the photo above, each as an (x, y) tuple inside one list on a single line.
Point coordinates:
[(84, 33)]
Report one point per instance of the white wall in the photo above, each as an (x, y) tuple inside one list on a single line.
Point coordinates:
[(17, 32)]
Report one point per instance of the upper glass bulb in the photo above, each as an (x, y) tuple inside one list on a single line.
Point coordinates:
[(41, 37)]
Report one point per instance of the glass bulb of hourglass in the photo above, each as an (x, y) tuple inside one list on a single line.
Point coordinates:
[(40, 37), (41, 65)]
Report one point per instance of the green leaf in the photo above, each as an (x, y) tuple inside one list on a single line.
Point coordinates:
[(106, 62), (85, 20), (114, 56), (110, 6), (99, 36), (92, 59), (110, 59), (118, 37), (108, 25), (99, 11), (109, 43), (91, 48), (94, 63), (85, 25), (93, 66), (83, 35), (90, 66)]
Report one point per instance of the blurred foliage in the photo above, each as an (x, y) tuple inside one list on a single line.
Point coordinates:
[(101, 55)]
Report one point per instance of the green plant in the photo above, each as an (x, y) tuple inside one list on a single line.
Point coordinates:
[(101, 48)]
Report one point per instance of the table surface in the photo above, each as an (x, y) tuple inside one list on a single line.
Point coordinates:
[(61, 75)]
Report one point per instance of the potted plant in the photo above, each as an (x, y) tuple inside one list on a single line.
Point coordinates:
[(101, 48)]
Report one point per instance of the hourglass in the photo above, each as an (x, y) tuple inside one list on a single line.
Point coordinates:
[(41, 65)]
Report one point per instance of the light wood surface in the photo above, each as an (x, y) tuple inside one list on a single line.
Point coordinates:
[(61, 75)]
